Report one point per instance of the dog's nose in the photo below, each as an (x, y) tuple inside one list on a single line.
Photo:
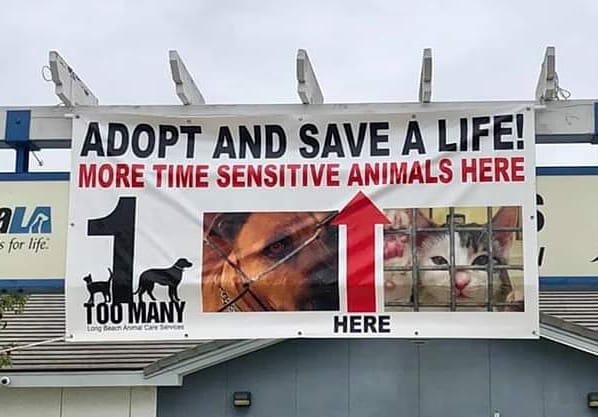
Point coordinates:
[(323, 294), (330, 237)]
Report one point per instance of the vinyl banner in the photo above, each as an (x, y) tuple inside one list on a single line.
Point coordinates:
[(303, 225)]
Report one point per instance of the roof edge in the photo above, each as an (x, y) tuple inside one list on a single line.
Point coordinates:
[(77, 379), (204, 356), (568, 334)]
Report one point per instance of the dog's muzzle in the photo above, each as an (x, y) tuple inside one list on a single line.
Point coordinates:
[(323, 277)]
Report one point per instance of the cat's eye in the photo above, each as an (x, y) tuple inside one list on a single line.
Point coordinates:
[(439, 260), (481, 260)]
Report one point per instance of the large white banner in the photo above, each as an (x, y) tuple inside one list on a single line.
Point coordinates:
[(303, 225)]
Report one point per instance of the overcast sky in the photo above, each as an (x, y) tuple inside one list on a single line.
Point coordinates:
[(244, 51)]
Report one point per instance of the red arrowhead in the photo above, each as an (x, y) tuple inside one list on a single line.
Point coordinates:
[(361, 215), (360, 212)]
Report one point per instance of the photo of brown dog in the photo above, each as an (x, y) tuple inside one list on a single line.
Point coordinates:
[(270, 261)]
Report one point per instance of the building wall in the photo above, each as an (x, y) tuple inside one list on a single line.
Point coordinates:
[(383, 378), (78, 402)]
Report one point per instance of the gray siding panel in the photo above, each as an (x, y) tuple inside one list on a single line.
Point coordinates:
[(203, 393), (322, 378), (454, 379), (383, 378), (570, 375), (516, 378), (393, 378), (270, 376)]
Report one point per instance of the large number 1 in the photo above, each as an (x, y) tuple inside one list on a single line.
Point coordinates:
[(121, 225)]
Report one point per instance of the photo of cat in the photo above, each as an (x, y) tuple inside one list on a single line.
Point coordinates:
[(453, 259)]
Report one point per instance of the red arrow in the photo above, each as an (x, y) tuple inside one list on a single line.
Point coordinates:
[(361, 215)]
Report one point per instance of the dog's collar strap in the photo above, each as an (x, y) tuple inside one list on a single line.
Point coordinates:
[(179, 268), (228, 303)]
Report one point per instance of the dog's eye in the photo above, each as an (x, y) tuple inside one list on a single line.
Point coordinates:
[(278, 249)]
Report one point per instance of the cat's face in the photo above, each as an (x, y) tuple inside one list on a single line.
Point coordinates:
[(471, 249), (470, 285)]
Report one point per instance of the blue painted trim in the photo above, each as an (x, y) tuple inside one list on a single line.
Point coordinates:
[(22, 159), (16, 134), (32, 286), (568, 283), (17, 127), (595, 141), (35, 176), (572, 170)]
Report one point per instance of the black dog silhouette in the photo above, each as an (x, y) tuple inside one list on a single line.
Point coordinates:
[(170, 277), (102, 287)]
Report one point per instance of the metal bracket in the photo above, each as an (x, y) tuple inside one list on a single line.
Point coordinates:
[(307, 84), (68, 86), (186, 88), (425, 79), (548, 82)]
